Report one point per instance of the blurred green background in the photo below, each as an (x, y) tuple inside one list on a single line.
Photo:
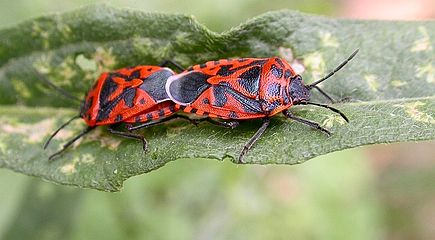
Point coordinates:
[(378, 192)]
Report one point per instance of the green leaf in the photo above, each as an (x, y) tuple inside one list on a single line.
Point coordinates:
[(391, 84)]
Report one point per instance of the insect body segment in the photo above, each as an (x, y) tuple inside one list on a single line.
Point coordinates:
[(134, 95), (248, 88), (223, 92), (123, 95), (234, 89)]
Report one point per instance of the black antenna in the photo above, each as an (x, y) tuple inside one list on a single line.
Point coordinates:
[(326, 106), (60, 128), (324, 93), (66, 145), (58, 89), (334, 71)]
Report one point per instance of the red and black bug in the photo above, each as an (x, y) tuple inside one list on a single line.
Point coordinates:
[(133, 95), (247, 88)]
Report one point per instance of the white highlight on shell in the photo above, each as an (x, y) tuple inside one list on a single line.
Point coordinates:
[(170, 80)]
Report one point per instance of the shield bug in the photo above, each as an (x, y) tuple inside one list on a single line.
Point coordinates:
[(133, 95), (246, 88)]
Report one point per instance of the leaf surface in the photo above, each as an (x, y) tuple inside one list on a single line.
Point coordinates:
[(391, 84)]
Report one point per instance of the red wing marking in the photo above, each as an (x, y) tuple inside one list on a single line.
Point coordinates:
[(242, 75), (233, 89), (122, 94), (233, 108)]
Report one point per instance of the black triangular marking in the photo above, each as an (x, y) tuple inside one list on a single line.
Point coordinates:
[(154, 84), (187, 88), (250, 79), (249, 105)]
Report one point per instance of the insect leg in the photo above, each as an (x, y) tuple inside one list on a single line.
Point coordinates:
[(129, 135), (227, 124), (306, 122), (166, 63), (257, 135), (66, 145), (149, 124)]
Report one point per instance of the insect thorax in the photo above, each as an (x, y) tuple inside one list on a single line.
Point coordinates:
[(298, 91)]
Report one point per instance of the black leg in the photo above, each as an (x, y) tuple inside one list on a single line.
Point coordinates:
[(66, 145), (166, 63), (257, 135), (149, 124), (227, 124), (345, 100), (326, 106), (306, 122), (129, 135)]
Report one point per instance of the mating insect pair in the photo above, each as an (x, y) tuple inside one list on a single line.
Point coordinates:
[(223, 92)]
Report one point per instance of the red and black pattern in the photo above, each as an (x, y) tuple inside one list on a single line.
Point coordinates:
[(228, 89), (247, 88), (127, 95), (132, 95), (234, 89)]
